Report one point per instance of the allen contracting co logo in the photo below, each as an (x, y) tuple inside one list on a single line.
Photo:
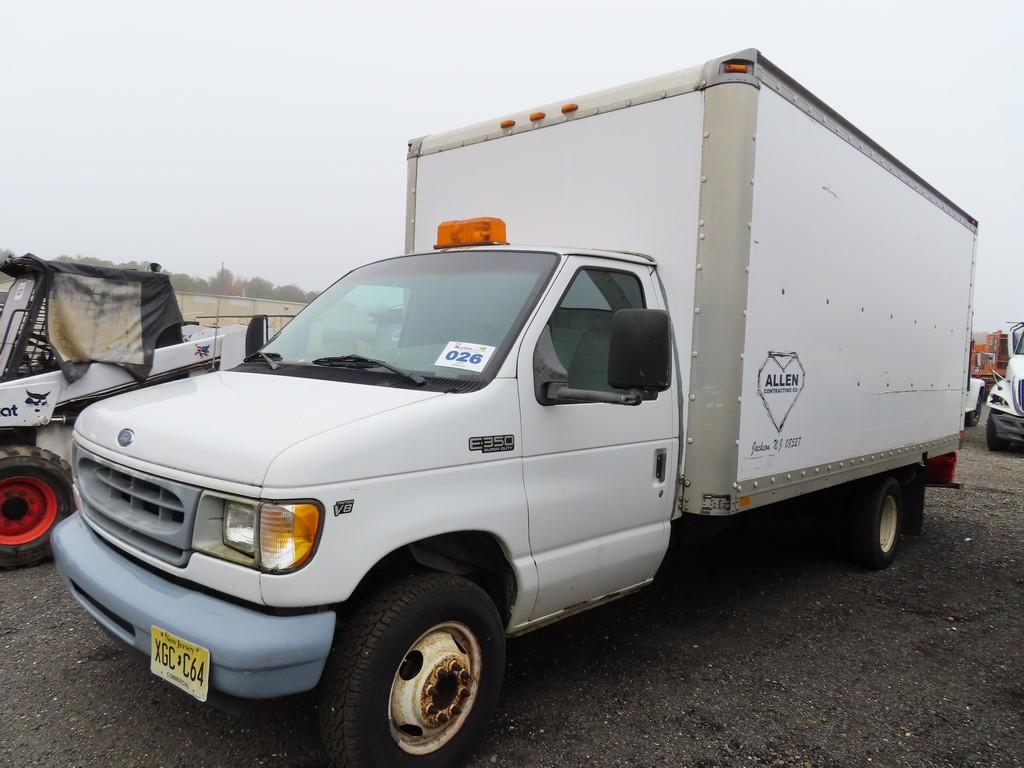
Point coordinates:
[(780, 381)]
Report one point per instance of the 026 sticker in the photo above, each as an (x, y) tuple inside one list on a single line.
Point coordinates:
[(465, 356)]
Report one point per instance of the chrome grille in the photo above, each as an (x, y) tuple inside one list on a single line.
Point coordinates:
[(151, 513)]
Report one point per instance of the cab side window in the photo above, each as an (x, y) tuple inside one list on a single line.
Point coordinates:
[(581, 324)]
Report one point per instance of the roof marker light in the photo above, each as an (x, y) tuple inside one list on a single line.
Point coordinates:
[(569, 108), (485, 230), (536, 116), (504, 124), (735, 67)]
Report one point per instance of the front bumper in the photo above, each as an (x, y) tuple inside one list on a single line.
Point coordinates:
[(253, 655), (1008, 427)]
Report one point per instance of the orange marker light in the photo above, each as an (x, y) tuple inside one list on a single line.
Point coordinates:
[(744, 501), (506, 124), (568, 108), (536, 116), (485, 230), (735, 67)]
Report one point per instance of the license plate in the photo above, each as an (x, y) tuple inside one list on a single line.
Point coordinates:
[(180, 662)]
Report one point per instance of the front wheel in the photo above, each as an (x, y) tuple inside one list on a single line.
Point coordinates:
[(971, 418), (414, 675), (992, 439)]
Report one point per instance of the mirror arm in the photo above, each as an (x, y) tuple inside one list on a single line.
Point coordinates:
[(563, 393)]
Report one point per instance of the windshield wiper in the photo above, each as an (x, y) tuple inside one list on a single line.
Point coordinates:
[(358, 361), (270, 358)]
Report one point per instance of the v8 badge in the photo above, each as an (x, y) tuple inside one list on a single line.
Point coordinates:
[(344, 507)]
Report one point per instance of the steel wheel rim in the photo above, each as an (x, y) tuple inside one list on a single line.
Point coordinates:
[(887, 525), (434, 688), (28, 508)]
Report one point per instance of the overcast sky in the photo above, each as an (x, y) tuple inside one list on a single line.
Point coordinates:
[(272, 135)]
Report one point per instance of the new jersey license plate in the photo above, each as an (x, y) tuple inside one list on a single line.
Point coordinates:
[(180, 662)]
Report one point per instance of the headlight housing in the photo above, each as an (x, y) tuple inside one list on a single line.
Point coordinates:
[(274, 536)]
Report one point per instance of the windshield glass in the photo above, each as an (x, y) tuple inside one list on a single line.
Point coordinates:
[(450, 315)]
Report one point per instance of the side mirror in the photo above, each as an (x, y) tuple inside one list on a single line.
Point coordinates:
[(641, 350), (257, 334), (639, 362)]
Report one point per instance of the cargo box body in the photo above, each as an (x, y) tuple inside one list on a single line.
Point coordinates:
[(793, 251)]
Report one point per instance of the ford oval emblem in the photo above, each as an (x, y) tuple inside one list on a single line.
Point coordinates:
[(125, 437)]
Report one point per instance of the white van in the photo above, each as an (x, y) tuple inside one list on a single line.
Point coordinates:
[(483, 436)]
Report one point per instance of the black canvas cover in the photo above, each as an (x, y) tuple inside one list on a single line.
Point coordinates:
[(103, 315)]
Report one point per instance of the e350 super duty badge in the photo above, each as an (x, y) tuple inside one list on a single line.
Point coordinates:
[(492, 443), (780, 381)]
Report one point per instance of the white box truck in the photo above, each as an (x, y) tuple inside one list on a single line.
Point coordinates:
[(479, 438)]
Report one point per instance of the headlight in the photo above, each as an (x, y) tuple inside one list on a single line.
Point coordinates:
[(240, 526), (272, 536), (288, 534)]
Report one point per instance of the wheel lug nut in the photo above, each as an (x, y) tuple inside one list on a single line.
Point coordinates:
[(442, 717), (464, 676), (432, 710), (456, 710), (431, 690)]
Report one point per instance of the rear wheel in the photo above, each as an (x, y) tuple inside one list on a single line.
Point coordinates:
[(875, 523), (35, 494), (414, 675), (992, 439)]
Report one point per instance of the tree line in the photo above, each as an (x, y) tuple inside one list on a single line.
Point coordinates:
[(222, 283)]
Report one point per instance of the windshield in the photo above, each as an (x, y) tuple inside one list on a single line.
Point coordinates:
[(447, 315)]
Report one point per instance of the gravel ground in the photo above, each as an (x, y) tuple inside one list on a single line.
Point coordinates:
[(756, 648)]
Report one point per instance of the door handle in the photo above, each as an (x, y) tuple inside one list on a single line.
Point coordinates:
[(660, 460)]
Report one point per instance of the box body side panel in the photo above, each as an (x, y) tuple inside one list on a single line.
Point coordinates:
[(859, 305), (624, 180)]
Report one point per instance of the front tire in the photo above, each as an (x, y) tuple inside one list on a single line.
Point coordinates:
[(971, 418), (876, 520), (992, 439), (35, 495), (414, 676)]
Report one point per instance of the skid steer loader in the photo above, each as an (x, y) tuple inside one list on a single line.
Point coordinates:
[(71, 335)]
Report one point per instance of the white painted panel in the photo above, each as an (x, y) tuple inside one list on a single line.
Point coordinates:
[(868, 282), (599, 517), (625, 180)]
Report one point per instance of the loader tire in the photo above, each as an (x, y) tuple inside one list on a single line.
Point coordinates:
[(35, 495), (414, 675), (875, 523)]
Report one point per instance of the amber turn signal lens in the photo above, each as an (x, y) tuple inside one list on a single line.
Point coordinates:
[(287, 535), (485, 230)]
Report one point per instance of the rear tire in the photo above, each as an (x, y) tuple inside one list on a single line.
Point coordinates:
[(875, 523), (992, 439), (35, 495), (414, 676)]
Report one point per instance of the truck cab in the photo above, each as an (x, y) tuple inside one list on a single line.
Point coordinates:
[(443, 412), (1005, 426)]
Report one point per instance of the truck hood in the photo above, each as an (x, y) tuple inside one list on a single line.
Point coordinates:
[(236, 422)]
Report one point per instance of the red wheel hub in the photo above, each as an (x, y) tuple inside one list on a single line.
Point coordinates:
[(28, 508)]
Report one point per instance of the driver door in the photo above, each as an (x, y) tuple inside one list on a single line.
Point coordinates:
[(599, 477)]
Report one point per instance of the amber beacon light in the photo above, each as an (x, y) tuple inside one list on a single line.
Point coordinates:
[(485, 230)]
